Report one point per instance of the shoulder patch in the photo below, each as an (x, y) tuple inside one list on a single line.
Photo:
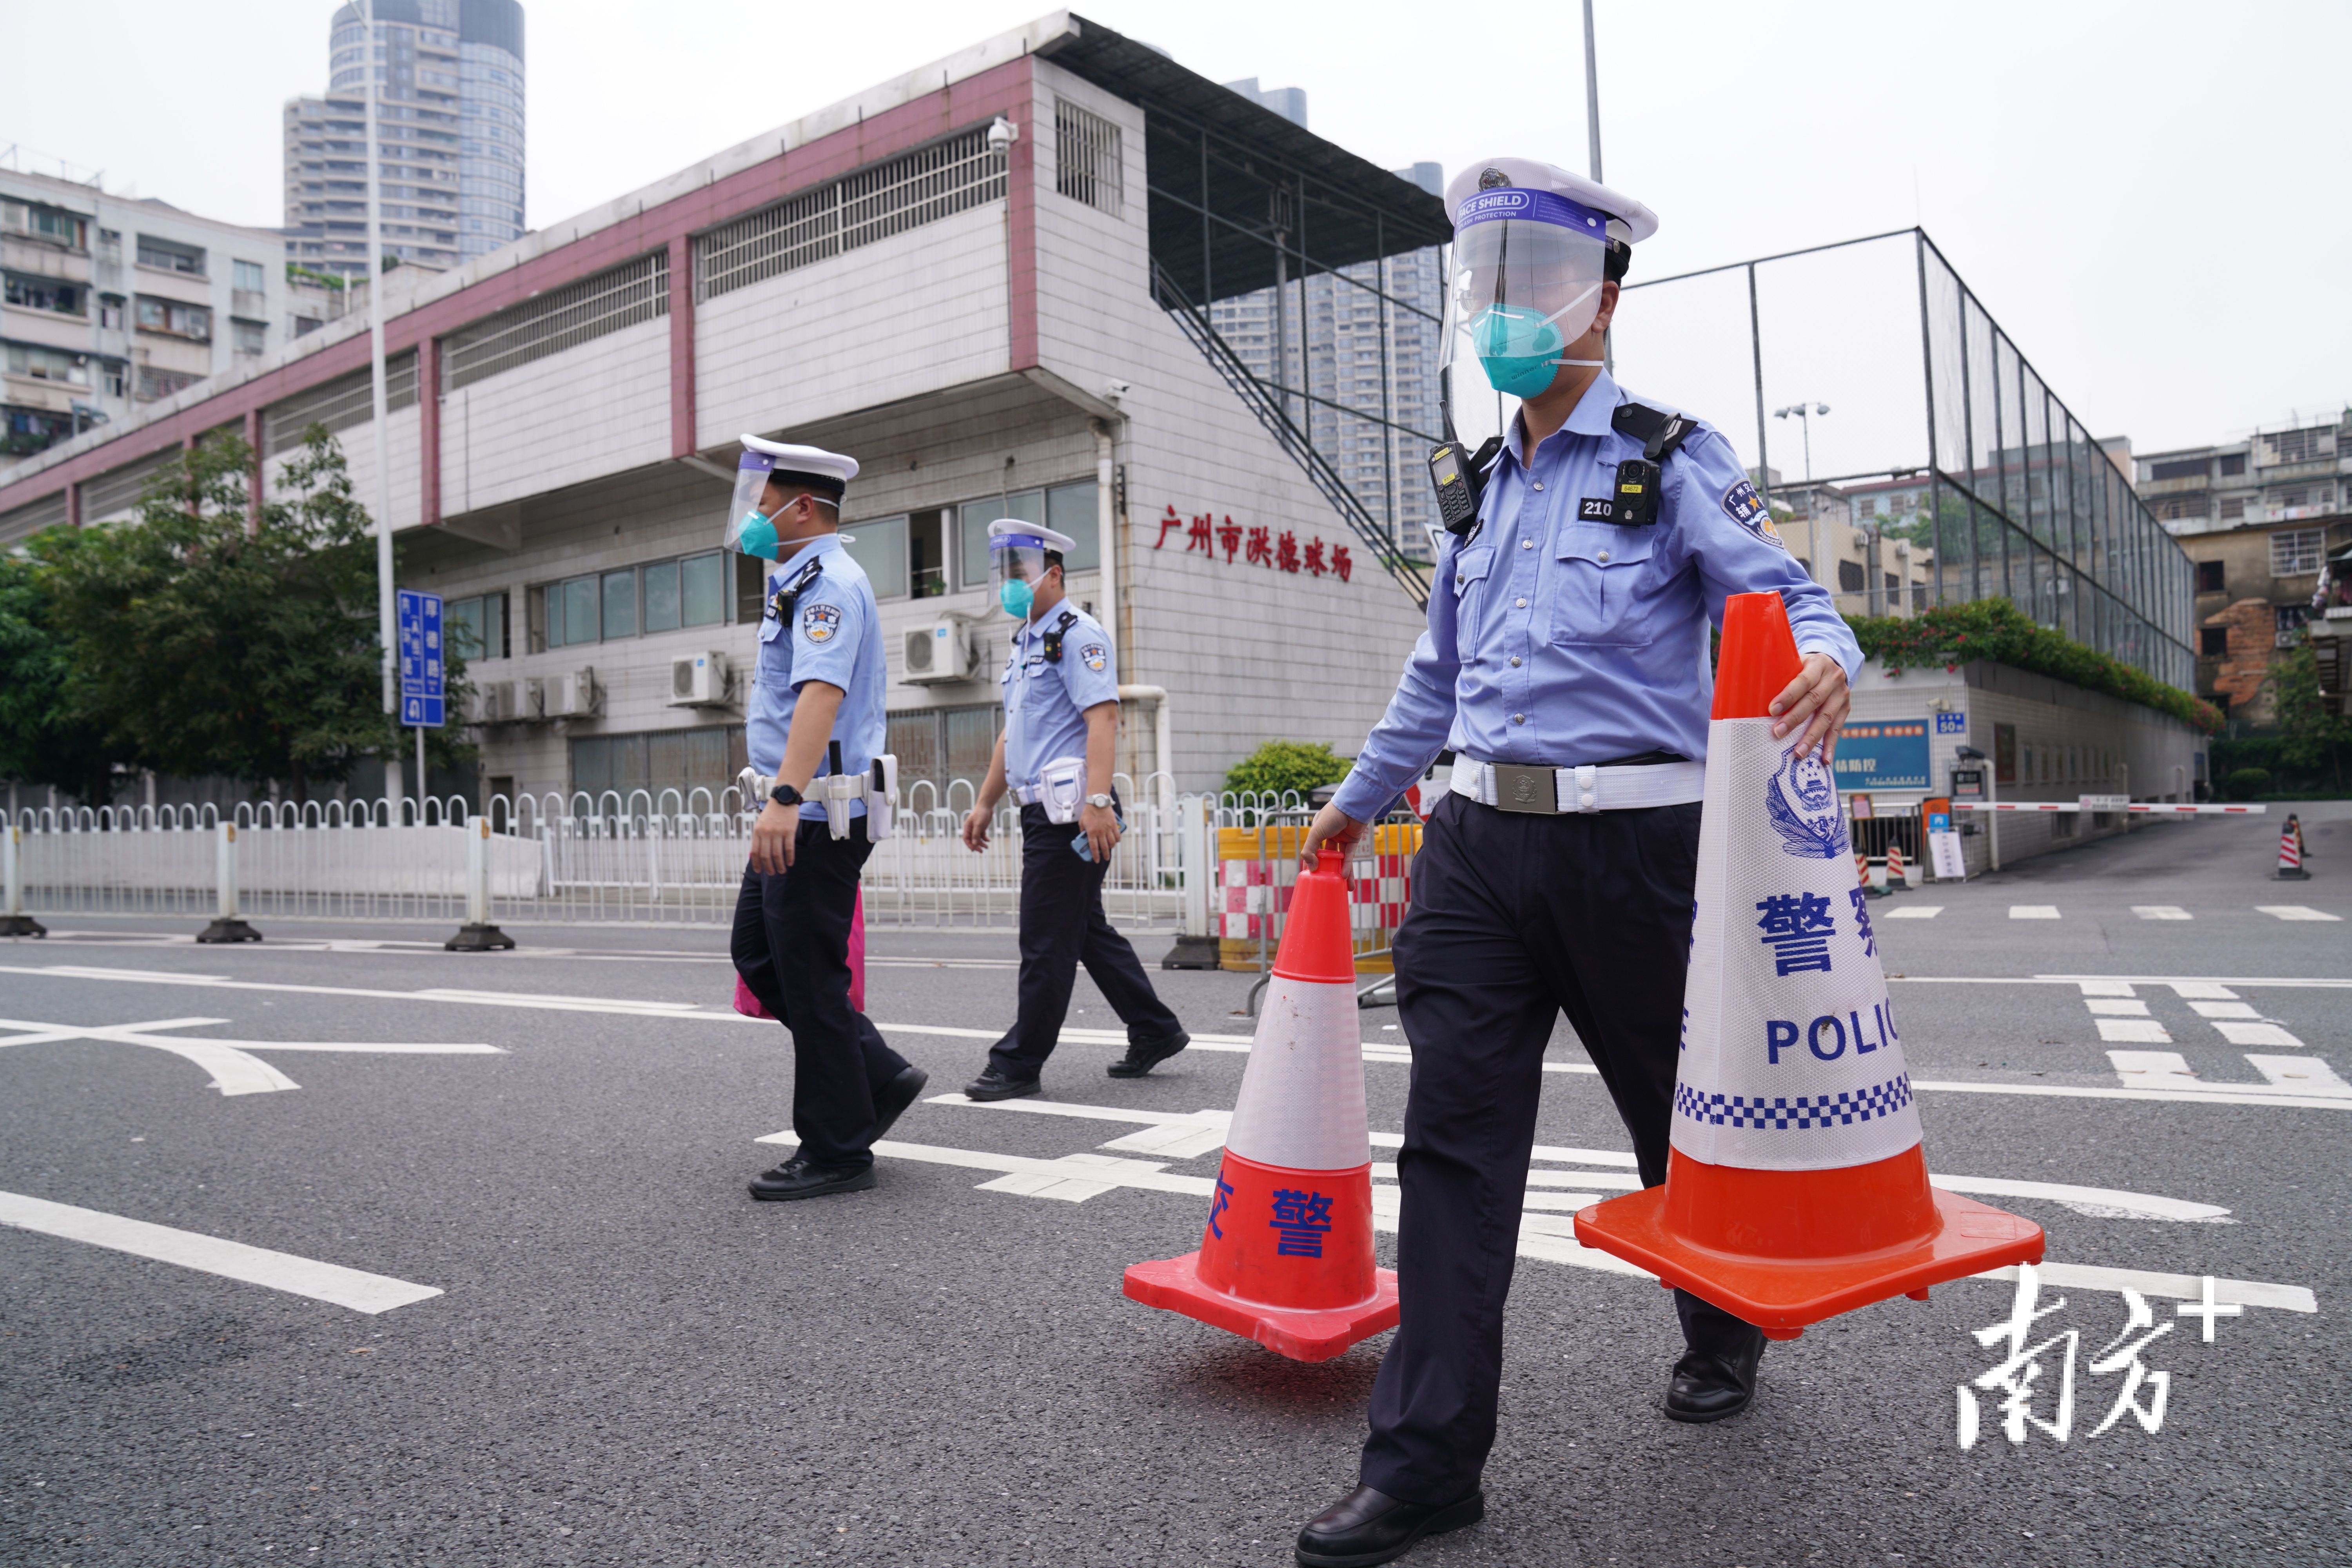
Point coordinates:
[(820, 622), (1092, 656), (1743, 506)]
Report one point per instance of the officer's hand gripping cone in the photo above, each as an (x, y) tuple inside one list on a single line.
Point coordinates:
[(1286, 1257), (1795, 1186)]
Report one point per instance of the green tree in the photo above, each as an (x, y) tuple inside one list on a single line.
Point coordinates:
[(43, 741), (1279, 765), (2311, 739), (201, 645)]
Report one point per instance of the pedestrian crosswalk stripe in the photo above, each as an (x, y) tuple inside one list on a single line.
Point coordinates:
[(2033, 911), (1915, 912), (2162, 912), (2297, 912)]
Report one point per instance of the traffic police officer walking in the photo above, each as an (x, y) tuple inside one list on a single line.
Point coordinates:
[(816, 724), (1567, 667), (1061, 728)]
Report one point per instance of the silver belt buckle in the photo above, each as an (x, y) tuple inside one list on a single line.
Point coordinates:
[(1521, 788)]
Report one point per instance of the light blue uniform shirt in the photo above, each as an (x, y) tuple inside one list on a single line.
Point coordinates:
[(1558, 640), (835, 637), (1045, 704)]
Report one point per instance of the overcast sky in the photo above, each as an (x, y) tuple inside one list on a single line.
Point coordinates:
[(2148, 196)]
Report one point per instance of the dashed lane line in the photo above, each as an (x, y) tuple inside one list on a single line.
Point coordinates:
[(331, 1282), (2162, 912)]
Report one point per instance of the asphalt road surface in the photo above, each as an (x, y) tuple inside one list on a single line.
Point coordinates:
[(480, 1283)]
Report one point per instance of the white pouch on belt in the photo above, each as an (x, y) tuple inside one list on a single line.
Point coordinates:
[(1061, 784), (882, 798), (837, 790)]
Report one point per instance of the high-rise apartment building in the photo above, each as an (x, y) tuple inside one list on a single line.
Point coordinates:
[(449, 126), (1356, 349)]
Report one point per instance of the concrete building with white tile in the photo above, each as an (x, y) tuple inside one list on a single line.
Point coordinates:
[(969, 278)]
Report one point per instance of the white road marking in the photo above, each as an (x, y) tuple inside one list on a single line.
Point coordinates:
[(1915, 912), (331, 1282), (234, 1071), (2104, 988), (2219, 985), (2181, 1287), (2162, 912), (2223, 1010), (2149, 1066), (1560, 1203), (2256, 1035), (2033, 911), (2117, 1006), (2297, 912), (2146, 1031), (2200, 990), (2204, 1094), (2103, 1203), (2306, 1075)]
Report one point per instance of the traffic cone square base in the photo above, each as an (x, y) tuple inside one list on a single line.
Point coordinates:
[(1302, 1333), (1791, 1279)]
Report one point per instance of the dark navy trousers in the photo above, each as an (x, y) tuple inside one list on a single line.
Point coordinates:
[(1062, 926), (790, 945), (1516, 918)]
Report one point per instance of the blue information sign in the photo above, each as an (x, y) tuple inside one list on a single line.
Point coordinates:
[(1951, 723), (1887, 754), (421, 685)]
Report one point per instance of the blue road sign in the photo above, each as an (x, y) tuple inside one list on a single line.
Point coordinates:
[(421, 684), (1882, 754), (1951, 723)]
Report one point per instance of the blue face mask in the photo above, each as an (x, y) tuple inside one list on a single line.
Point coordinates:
[(1016, 598), (757, 536), (1518, 346)]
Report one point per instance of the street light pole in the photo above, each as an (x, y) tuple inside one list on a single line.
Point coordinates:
[(386, 632), (1812, 503)]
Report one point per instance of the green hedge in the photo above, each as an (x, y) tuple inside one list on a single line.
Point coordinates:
[(1995, 629)]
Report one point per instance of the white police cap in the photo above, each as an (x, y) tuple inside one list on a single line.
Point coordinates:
[(1034, 534), (1629, 220), (812, 465)]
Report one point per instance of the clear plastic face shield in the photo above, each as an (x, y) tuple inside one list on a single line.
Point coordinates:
[(750, 531), (1528, 274), (1017, 565)]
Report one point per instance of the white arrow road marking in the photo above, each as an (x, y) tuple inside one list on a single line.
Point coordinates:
[(332, 1282), (234, 1071)]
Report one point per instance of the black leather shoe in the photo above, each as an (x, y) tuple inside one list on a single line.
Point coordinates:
[(1368, 1526), (1708, 1386), (993, 1085), (891, 1101), (1141, 1059), (796, 1178)]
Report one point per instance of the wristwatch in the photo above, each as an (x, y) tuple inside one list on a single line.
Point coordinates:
[(1101, 800), (785, 795)]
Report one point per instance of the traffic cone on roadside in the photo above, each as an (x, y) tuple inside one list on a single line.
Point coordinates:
[(2290, 860), (1796, 1188), (1895, 876), (1286, 1256)]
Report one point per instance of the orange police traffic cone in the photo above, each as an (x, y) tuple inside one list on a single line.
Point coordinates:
[(1286, 1256), (1795, 1186)]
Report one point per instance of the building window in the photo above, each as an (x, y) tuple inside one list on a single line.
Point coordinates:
[(1087, 157), (173, 319), (44, 223), (940, 745), (2289, 621), (1850, 577), (250, 276), (477, 627), (2295, 553), (171, 256), (2180, 468), (249, 337), (879, 545), (676, 770), (49, 364), (2185, 506), (28, 291), (2233, 464), (2212, 642), (688, 592), (2209, 577), (1069, 508), (156, 384)]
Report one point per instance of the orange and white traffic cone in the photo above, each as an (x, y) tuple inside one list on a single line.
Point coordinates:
[(1286, 1256), (1895, 876), (1795, 1185)]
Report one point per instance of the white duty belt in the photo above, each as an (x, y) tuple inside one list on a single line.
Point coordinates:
[(1558, 792)]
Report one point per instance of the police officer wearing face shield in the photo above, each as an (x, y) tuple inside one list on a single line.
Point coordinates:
[(1566, 665), (1061, 728), (816, 724)]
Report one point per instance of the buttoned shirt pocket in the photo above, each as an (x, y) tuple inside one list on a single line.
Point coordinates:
[(1603, 575), (1471, 570)]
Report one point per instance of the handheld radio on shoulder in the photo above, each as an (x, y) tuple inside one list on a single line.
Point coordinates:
[(1461, 481)]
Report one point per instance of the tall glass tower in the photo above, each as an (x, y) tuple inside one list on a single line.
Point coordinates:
[(450, 124)]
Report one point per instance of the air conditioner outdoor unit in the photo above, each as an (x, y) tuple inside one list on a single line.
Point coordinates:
[(574, 695), (530, 701), (494, 703), (698, 680), (939, 652)]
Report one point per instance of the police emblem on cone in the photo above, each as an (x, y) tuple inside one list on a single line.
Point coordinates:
[(1795, 1186), (1285, 1257)]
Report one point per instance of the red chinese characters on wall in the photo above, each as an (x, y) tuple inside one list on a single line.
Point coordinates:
[(1259, 546)]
